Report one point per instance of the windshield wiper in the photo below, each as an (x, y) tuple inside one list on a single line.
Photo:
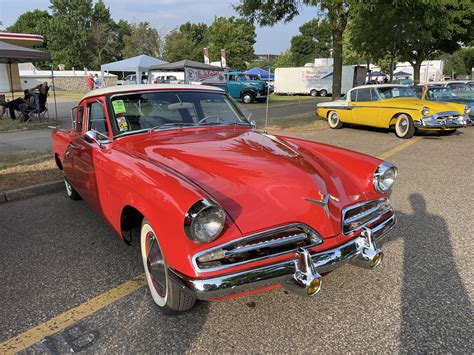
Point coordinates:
[(224, 124), (129, 133)]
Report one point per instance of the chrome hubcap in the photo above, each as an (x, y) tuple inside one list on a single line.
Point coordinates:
[(403, 126), (334, 119), (247, 99), (155, 264), (68, 188)]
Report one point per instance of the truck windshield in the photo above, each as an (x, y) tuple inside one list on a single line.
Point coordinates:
[(139, 112)]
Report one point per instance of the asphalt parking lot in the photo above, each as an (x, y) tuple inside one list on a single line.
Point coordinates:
[(57, 254)]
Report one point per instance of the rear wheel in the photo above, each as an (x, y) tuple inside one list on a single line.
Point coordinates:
[(71, 191), (247, 98), (404, 127), (313, 93), (167, 295), (323, 93), (446, 133), (333, 120)]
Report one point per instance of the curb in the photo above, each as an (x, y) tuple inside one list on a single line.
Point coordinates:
[(30, 191)]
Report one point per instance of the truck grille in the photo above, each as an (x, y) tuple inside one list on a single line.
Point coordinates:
[(271, 243), (360, 215)]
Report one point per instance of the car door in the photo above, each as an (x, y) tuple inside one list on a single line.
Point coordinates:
[(78, 117), (365, 108), (234, 86), (87, 154)]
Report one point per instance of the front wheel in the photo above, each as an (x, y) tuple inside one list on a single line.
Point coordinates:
[(247, 98), (404, 127), (166, 294), (333, 120)]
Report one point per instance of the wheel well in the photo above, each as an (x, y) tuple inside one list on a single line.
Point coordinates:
[(130, 223), (247, 92), (58, 162), (393, 120)]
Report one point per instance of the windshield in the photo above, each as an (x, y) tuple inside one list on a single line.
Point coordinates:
[(135, 112), (392, 92), (438, 93), (459, 87)]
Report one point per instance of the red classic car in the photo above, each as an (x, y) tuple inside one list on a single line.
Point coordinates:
[(220, 209)]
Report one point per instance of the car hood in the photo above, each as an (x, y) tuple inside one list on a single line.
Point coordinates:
[(261, 180)]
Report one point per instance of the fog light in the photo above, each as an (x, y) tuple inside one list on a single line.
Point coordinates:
[(314, 287), (376, 260)]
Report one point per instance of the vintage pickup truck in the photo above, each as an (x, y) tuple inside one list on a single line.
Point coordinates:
[(220, 209)]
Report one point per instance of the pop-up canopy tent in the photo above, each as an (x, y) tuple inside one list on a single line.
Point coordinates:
[(401, 73), (263, 74), (11, 54), (193, 71), (139, 64)]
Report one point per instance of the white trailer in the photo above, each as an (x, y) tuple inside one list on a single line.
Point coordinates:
[(316, 80)]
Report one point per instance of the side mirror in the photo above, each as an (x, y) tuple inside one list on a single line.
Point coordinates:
[(253, 123), (91, 137)]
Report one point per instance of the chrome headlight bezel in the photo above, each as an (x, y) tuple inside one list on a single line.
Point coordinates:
[(198, 212), (467, 109), (425, 111), (384, 172)]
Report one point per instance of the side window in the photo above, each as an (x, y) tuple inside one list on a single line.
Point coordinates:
[(373, 94), (363, 95), (79, 118), (354, 95), (231, 77), (96, 119)]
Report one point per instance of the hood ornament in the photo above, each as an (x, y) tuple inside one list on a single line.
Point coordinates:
[(324, 203)]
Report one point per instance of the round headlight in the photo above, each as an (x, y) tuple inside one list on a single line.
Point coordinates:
[(467, 109), (384, 177), (204, 221), (425, 111)]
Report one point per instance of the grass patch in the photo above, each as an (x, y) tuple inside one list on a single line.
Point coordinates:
[(8, 124), (24, 168)]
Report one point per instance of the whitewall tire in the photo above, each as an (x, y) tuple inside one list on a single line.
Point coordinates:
[(334, 120), (404, 127)]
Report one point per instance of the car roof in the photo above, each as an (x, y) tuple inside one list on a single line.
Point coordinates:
[(148, 87)]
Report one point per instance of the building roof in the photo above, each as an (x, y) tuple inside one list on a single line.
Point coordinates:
[(21, 39), (147, 87)]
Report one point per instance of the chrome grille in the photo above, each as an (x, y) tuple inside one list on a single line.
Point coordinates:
[(271, 243), (360, 215)]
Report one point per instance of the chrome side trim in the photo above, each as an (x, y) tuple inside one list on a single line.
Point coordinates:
[(268, 275)]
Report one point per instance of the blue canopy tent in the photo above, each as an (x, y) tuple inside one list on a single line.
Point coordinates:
[(263, 74), (138, 65)]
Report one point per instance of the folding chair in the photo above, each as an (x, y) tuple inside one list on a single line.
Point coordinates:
[(37, 111)]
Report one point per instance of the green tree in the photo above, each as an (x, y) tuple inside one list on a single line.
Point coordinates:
[(261, 63), (187, 42), (336, 12), (236, 35), (460, 62), (313, 42), (412, 30), (34, 22), (104, 35), (285, 60), (143, 39), (69, 34), (122, 28)]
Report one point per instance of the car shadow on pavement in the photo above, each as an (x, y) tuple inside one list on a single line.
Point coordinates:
[(436, 310)]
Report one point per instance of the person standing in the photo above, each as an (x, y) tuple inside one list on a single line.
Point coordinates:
[(90, 82)]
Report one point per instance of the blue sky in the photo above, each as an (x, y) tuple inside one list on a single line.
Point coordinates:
[(165, 15)]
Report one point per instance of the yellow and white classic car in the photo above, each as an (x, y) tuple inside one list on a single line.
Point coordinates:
[(397, 106)]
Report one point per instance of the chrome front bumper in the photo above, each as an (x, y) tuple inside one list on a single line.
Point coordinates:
[(443, 120), (286, 272)]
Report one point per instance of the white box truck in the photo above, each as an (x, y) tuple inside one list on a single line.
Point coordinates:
[(316, 80)]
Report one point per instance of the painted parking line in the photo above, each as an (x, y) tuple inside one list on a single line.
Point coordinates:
[(70, 317), (64, 320), (399, 148)]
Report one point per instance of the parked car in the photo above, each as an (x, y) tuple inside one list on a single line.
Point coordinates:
[(164, 79), (459, 87), (388, 105), (241, 86), (219, 208), (445, 94), (132, 80)]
